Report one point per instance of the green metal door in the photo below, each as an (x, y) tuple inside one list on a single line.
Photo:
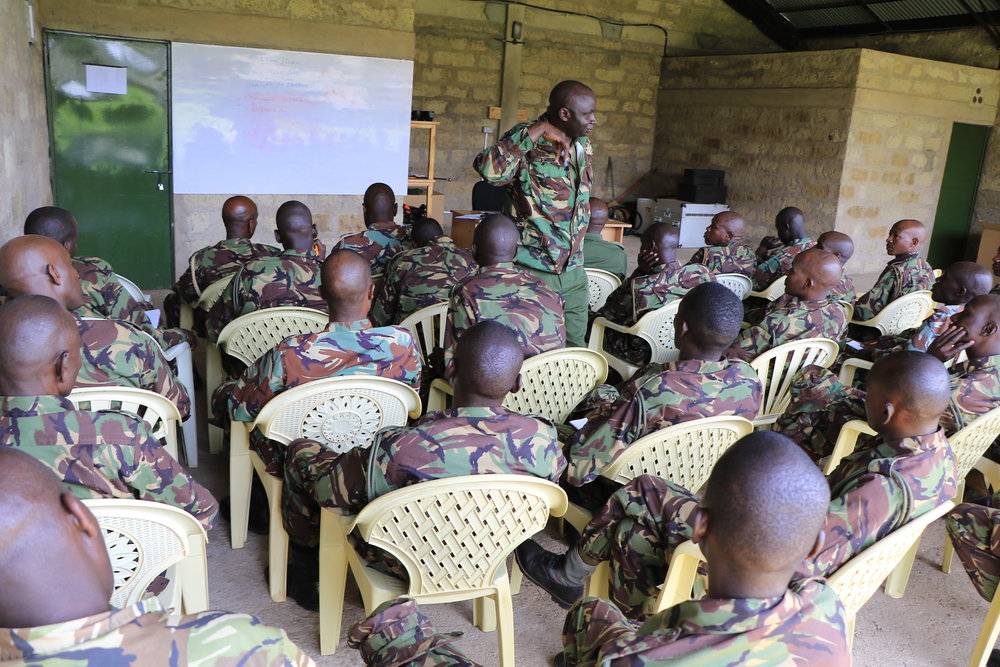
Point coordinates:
[(108, 123), (959, 186)]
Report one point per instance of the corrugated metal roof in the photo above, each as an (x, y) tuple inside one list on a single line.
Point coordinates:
[(821, 18)]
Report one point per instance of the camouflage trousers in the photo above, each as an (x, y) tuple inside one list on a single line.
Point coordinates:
[(591, 624), (637, 530), (820, 405), (973, 532)]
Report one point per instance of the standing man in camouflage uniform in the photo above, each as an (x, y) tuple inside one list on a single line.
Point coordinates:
[(805, 311), (598, 253), (546, 165), (290, 278), (841, 246), (906, 272), (724, 250), (421, 277), (211, 264), (502, 292), (761, 515), (99, 454), (115, 353), (55, 605), (383, 239), (775, 253)]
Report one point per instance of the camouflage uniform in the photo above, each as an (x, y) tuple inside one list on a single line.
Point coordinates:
[(604, 255), (806, 626), (396, 634), (791, 318), (973, 532), (515, 298), (117, 354), (673, 393), (342, 348), (920, 338), (458, 441), (378, 244), (550, 203), (733, 258), (640, 294), (419, 278), (996, 289), (899, 277), (778, 261), (844, 292), (145, 634), (101, 454), (291, 278)]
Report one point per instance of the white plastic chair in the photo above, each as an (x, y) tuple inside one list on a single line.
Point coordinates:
[(773, 291), (738, 283), (340, 413), (133, 289), (655, 327), (451, 535), (906, 312), (427, 326), (600, 285), (206, 299), (146, 538), (778, 366), (157, 411)]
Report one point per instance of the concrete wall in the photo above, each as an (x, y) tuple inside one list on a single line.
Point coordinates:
[(24, 139)]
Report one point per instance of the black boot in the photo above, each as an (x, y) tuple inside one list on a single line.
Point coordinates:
[(303, 576), (547, 571)]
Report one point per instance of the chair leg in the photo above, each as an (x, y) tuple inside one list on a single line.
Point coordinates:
[(484, 614), (332, 586), (516, 577), (505, 624), (192, 575), (213, 378), (988, 635), (895, 583), (850, 634), (240, 480), (277, 541), (949, 551), (185, 373), (597, 584)]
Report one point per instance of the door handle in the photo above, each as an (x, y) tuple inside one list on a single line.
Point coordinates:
[(158, 172)]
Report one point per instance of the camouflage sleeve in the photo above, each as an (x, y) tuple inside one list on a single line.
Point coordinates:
[(768, 270), (256, 386), (499, 163), (224, 310), (882, 292), (606, 433), (461, 316), (224, 638), (591, 624), (184, 287), (973, 532), (158, 376), (752, 342), (619, 306), (383, 311)]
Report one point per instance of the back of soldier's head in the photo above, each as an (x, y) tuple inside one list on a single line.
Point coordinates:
[(488, 359), (239, 215), (345, 279), (294, 226), (33, 264), (495, 240), (39, 340), (713, 314), (766, 503), (53, 222), (379, 204), (425, 230), (915, 383)]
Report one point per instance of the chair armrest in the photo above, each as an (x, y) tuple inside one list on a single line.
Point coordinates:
[(437, 399), (850, 367), (846, 441), (990, 470), (680, 576)]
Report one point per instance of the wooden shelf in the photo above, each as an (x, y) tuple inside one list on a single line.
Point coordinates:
[(427, 183), (419, 182)]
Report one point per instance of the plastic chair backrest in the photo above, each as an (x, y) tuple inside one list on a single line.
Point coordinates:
[(157, 411), (906, 312), (772, 291), (427, 326), (249, 336), (553, 383), (487, 197), (657, 328), (683, 453), (776, 368), (144, 539), (600, 285), (737, 282), (131, 288), (213, 293), (453, 535), (971, 442), (340, 412)]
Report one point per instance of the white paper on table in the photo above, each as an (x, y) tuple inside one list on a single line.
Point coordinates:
[(475, 216), (578, 423), (104, 79), (154, 317), (854, 345)]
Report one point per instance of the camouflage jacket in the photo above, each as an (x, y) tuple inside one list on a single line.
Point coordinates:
[(101, 454), (778, 262), (397, 634), (378, 244), (844, 292), (605, 255), (642, 293), (791, 318), (878, 489), (516, 299), (975, 390), (145, 634), (342, 348), (806, 626), (118, 354), (899, 277), (733, 258), (549, 201), (463, 441), (668, 394), (215, 263), (419, 278), (920, 338), (291, 278)]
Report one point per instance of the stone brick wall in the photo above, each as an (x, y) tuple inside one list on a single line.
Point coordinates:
[(971, 46)]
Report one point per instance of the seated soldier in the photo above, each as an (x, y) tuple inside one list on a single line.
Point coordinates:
[(115, 353), (972, 529), (775, 253), (657, 280), (475, 436), (805, 311), (290, 278), (421, 277), (840, 246), (874, 491), (761, 514), (905, 273), (702, 383), (502, 292), (725, 252), (398, 634), (99, 454), (211, 264), (598, 253), (348, 346), (996, 271), (820, 403), (104, 295), (383, 239), (57, 581)]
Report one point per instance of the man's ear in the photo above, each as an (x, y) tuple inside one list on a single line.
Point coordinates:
[(729, 234), (817, 546), (699, 524), (564, 114), (69, 247), (277, 237), (80, 515), (371, 291), (517, 385), (55, 275), (989, 328), (63, 367), (888, 411), (449, 370)]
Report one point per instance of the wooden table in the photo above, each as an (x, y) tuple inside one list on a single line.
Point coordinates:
[(463, 226), (615, 231)]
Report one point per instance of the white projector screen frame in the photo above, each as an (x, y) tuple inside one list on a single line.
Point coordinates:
[(262, 121)]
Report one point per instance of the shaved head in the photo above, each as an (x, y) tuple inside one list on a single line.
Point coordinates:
[(981, 321), (571, 109), (495, 240), (55, 223), (905, 238), (379, 204), (39, 265), (662, 238), (487, 361), (916, 385), (961, 282), (295, 229), (837, 243), (813, 274), (563, 93), (598, 215), (239, 215), (425, 230), (790, 224), (346, 282), (725, 228), (40, 349), (712, 313)]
